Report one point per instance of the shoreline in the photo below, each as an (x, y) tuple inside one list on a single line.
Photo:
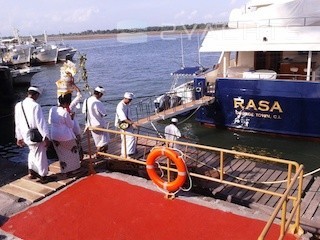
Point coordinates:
[(115, 35)]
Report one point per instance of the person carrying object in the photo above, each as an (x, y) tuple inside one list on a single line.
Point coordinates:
[(123, 120), (95, 112), (62, 135), (28, 115)]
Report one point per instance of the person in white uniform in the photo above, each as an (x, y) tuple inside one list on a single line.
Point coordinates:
[(171, 132), (29, 112), (95, 113), (62, 135), (123, 120)]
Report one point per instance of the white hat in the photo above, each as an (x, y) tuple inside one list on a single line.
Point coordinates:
[(99, 89), (36, 89), (174, 120), (128, 95)]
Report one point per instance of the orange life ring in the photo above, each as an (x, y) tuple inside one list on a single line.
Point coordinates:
[(178, 161)]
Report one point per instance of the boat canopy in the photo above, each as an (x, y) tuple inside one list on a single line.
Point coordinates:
[(275, 13), (300, 38), (189, 71)]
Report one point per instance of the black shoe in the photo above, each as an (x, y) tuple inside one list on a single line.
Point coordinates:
[(46, 179), (33, 174)]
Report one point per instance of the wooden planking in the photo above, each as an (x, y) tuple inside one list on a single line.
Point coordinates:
[(16, 191), (250, 172), (32, 187), (313, 205), (54, 186), (176, 110), (259, 171)]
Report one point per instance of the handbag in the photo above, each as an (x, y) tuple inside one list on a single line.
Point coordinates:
[(33, 133)]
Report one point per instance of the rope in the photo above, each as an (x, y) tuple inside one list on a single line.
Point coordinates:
[(247, 180), (187, 172), (186, 119)]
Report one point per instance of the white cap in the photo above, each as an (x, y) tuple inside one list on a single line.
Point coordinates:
[(36, 89), (174, 120), (128, 95), (99, 89)]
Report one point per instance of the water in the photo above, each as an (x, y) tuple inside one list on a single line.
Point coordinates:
[(144, 69)]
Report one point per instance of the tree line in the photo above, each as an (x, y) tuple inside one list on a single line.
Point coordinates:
[(187, 27)]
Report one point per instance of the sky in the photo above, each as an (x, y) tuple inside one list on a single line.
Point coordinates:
[(73, 16)]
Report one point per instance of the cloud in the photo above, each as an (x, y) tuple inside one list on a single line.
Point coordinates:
[(180, 14), (74, 16), (193, 14)]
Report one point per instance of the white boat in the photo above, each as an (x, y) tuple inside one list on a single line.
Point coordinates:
[(44, 54), (23, 76), (65, 52), (182, 88), (14, 53)]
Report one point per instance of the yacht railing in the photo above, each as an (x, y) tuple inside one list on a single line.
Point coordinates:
[(293, 180), (276, 22)]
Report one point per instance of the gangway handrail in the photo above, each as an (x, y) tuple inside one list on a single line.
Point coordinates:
[(292, 167)]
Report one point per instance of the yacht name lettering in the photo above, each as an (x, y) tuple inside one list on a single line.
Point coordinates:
[(262, 105)]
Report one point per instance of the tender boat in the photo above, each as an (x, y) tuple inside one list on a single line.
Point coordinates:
[(182, 89), (267, 78)]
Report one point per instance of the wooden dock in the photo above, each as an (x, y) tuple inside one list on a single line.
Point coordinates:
[(241, 170)]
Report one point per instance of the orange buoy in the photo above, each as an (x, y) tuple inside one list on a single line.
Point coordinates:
[(178, 161)]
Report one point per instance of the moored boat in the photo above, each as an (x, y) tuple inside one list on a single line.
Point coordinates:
[(45, 54), (65, 52), (23, 76), (267, 78), (268, 75)]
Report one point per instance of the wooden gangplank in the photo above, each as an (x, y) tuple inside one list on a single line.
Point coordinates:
[(33, 190), (176, 110)]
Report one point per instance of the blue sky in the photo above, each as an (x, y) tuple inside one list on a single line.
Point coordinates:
[(65, 16)]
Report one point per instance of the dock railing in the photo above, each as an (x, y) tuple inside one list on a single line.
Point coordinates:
[(293, 180)]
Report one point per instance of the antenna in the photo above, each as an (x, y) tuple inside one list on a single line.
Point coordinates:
[(182, 55), (199, 59)]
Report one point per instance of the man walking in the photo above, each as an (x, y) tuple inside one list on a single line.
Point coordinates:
[(95, 112), (28, 114)]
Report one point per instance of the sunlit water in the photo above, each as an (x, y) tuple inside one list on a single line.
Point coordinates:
[(144, 68)]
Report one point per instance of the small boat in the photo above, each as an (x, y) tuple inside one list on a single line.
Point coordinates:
[(182, 88), (15, 54), (65, 52), (23, 76), (44, 54)]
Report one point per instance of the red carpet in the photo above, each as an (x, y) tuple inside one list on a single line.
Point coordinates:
[(103, 208)]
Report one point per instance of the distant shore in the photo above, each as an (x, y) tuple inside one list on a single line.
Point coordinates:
[(115, 35)]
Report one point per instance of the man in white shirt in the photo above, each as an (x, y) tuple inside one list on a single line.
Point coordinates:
[(124, 121), (95, 112), (171, 132), (28, 114)]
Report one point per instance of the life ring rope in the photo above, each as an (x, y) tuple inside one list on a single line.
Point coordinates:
[(172, 154)]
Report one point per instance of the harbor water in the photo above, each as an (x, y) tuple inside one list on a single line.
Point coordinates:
[(143, 66)]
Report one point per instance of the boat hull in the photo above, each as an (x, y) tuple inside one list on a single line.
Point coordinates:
[(273, 106)]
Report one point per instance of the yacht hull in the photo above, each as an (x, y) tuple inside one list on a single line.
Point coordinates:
[(272, 106)]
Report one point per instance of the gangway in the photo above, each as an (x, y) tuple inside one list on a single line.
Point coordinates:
[(168, 113)]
